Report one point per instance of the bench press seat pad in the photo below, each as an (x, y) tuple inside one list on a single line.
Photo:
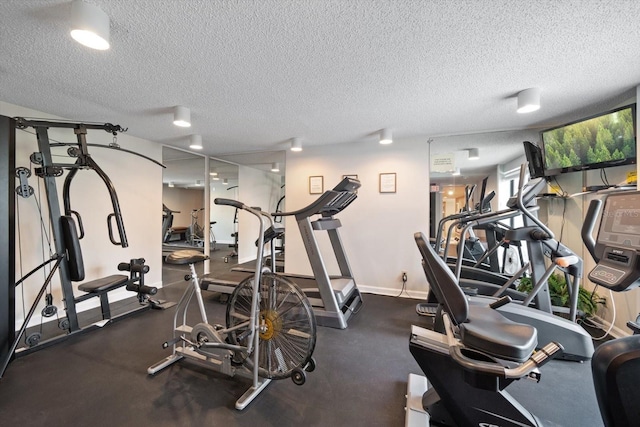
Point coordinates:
[(488, 331), (186, 256), (104, 284)]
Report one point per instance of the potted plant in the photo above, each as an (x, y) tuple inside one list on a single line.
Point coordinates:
[(588, 302)]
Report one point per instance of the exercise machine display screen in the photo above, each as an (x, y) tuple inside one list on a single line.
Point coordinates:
[(620, 223)]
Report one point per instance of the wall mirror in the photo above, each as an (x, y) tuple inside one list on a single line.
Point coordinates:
[(184, 218)]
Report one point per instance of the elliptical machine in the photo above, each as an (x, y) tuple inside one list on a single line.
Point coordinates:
[(475, 354), (616, 364)]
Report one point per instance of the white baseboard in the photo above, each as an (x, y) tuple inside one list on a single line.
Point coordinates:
[(392, 292), (615, 332)]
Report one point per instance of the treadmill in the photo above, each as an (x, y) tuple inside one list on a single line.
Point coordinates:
[(334, 298)]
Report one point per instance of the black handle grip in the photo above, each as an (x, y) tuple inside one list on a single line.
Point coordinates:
[(123, 237), (539, 234), (142, 289), (229, 202), (136, 268), (500, 302), (80, 226)]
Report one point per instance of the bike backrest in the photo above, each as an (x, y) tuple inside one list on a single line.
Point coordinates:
[(442, 281)]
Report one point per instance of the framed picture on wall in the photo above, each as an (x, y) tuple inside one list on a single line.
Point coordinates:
[(316, 184), (354, 176), (388, 182)]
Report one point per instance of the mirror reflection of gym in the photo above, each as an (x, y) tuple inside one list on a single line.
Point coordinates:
[(184, 221)]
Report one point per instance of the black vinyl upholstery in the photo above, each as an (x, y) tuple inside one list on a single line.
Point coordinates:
[(104, 284), (481, 327), (616, 374), (444, 285), (74, 252)]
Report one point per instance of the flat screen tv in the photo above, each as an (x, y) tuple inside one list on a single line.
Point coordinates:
[(600, 141)]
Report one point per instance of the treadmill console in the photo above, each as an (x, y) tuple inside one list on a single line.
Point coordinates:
[(618, 243)]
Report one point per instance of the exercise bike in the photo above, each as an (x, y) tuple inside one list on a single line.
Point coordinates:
[(477, 352), (270, 330)]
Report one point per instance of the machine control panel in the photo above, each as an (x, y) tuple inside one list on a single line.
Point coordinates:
[(618, 243)]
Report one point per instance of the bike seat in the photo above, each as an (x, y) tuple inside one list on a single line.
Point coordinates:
[(186, 256)]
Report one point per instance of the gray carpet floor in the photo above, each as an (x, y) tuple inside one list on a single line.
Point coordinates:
[(100, 379)]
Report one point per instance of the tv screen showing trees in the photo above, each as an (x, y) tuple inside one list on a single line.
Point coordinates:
[(601, 141)]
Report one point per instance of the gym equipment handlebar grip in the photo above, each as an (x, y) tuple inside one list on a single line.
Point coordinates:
[(228, 202), (136, 268), (587, 228)]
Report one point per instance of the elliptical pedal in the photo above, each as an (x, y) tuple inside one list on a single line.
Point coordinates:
[(427, 309)]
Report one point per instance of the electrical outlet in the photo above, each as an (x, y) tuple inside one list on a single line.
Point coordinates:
[(404, 276)]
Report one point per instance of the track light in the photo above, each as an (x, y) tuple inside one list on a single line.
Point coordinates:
[(473, 154), (275, 167), (529, 100), (296, 144), (89, 25), (225, 181), (385, 136), (196, 142), (182, 116), (456, 172), (213, 172), (171, 184)]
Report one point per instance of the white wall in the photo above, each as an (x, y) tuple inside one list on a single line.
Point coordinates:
[(257, 188), (223, 216), (138, 184), (377, 229)]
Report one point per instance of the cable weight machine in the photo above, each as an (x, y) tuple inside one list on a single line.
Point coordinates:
[(65, 256)]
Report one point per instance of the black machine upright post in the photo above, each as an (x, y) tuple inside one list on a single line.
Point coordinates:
[(7, 243), (54, 214)]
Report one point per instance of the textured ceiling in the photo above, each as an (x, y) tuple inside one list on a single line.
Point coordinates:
[(256, 73)]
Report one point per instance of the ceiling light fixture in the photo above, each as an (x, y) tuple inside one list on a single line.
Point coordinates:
[(275, 167), (171, 185), (181, 116), (213, 172), (385, 136), (225, 181), (89, 25), (196, 142), (474, 154), (456, 172), (529, 100), (296, 144)]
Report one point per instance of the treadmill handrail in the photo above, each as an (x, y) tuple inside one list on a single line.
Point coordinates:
[(331, 201), (327, 199)]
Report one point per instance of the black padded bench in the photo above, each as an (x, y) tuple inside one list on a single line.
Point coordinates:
[(100, 288)]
